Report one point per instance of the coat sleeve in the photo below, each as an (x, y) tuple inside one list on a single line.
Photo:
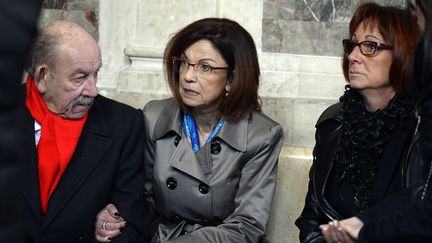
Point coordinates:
[(149, 150), (253, 199), (127, 194), (311, 217), (411, 224)]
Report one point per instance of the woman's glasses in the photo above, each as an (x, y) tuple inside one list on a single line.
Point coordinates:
[(367, 48), (203, 69)]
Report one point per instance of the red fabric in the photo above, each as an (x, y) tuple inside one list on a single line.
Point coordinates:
[(57, 143)]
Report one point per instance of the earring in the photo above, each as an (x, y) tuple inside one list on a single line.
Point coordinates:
[(226, 93)]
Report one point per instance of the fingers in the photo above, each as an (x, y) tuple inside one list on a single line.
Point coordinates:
[(334, 233), (325, 230), (345, 237), (108, 224), (110, 214), (106, 235), (103, 239), (105, 231), (112, 210), (352, 226), (105, 226)]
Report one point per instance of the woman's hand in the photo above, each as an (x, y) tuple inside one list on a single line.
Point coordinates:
[(108, 224), (341, 231), (352, 226)]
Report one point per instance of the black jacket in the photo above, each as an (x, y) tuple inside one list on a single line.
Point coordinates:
[(413, 223), (318, 209), (18, 23)]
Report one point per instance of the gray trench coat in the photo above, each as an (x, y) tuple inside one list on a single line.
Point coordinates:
[(221, 194)]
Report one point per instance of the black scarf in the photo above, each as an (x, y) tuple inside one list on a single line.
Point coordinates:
[(364, 136)]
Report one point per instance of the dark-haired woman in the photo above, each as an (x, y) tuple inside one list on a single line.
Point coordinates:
[(358, 155), (412, 223), (211, 154)]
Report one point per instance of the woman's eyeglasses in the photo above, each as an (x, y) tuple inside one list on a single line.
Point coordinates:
[(367, 48), (182, 64)]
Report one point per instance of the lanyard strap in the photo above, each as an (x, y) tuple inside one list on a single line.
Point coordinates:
[(192, 132)]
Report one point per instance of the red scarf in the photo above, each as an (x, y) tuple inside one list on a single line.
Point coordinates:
[(59, 137)]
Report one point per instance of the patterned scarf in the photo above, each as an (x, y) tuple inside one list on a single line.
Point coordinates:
[(363, 140)]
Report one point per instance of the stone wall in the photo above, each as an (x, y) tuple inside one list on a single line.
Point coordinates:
[(299, 47), (83, 12)]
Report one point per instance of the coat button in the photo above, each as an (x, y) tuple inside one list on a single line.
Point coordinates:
[(215, 147), (171, 183), (177, 140), (203, 188)]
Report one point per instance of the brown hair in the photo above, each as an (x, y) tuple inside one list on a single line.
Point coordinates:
[(399, 29), (238, 50)]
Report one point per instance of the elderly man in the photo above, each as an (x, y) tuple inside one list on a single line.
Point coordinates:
[(87, 148)]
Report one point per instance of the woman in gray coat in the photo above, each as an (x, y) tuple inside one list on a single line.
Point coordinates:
[(211, 154)]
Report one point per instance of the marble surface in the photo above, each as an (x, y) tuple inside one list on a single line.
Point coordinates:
[(291, 188), (309, 26), (83, 12)]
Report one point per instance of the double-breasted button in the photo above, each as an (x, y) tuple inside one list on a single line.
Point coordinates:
[(215, 147), (203, 188), (177, 140), (171, 183)]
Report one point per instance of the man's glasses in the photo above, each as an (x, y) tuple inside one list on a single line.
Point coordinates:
[(367, 48), (203, 69)]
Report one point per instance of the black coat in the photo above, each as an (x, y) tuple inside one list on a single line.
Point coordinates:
[(318, 209), (413, 223), (18, 20), (106, 167)]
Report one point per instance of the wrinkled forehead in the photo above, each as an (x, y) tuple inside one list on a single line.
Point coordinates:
[(80, 55)]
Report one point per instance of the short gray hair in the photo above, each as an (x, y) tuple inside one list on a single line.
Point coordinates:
[(43, 52)]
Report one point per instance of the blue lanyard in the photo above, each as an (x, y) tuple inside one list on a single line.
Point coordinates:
[(191, 130)]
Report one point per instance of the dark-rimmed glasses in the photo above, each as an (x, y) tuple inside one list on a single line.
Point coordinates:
[(367, 48), (182, 64)]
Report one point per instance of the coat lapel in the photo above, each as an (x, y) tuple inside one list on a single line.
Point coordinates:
[(324, 168), (390, 161), (184, 159), (170, 119), (235, 133), (93, 144)]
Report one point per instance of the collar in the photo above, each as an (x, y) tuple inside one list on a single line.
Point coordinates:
[(234, 133)]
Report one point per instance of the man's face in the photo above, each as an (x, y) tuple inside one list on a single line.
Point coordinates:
[(69, 90)]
